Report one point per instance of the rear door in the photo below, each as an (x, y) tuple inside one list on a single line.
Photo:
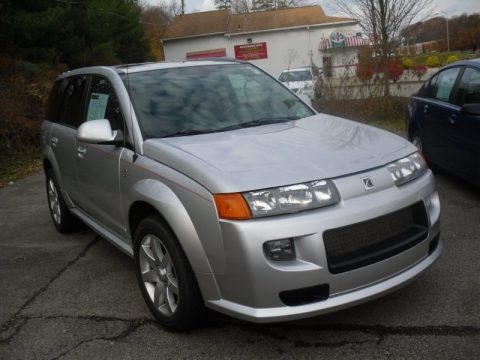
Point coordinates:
[(465, 129), (98, 166)]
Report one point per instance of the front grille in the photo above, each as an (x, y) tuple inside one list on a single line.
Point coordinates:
[(353, 246)]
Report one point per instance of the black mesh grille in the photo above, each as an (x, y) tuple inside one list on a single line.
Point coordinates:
[(365, 243)]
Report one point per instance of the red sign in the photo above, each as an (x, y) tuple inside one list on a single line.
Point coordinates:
[(206, 54), (251, 51)]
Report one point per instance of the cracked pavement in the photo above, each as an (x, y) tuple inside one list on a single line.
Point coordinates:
[(75, 297)]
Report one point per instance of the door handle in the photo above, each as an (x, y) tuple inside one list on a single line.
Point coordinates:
[(425, 109), (452, 119), (81, 151), (54, 141)]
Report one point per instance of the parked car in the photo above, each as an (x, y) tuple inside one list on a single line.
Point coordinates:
[(443, 119), (300, 81), (230, 192)]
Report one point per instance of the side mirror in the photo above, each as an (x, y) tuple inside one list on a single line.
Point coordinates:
[(471, 109), (99, 132)]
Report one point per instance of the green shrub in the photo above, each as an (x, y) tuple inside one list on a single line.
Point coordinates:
[(30, 70), (433, 61), (407, 63), (452, 59)]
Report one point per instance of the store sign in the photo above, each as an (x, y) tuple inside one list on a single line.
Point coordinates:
[(206, 54), (337, 39), (251, 51)]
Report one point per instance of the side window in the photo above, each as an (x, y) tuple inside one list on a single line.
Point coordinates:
[(443, 86), (469, 89), (103, 103), (73, 105), (55, 99)]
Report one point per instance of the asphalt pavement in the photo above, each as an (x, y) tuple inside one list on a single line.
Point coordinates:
[(75, 297)]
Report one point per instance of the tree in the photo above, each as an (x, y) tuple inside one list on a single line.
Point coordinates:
[(78, 33), (223, 4), (241, 6), (262, 5), (384, 19)]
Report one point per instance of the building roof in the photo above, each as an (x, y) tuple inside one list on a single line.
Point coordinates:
[(278, 19), (221, 21), (195, 24)]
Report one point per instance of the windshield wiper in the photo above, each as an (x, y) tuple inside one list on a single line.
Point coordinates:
[(188, 132), (258, 122)]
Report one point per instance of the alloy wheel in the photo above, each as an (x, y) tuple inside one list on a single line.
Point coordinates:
[(54, 201), (158, 274)]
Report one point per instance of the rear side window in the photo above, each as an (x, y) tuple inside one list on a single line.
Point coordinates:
[(73, 105), (55, 99), (442, 86), (469, 88), (103, 103)]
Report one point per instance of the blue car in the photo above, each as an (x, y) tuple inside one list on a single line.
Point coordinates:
[(443, 119)]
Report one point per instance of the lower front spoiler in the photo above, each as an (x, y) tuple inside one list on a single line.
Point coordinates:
[(333, 303)]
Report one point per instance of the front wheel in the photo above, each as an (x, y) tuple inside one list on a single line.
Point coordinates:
[(165, 277)]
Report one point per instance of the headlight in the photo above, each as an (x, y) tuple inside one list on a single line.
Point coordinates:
[(292, 198), (407, 169)]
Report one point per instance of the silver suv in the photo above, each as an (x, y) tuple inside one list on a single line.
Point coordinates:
[(233, 194)]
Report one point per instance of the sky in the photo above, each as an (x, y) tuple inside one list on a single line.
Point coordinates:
[(449, 7)]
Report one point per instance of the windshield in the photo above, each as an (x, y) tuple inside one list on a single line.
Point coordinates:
[(298, 75), (201, 99)]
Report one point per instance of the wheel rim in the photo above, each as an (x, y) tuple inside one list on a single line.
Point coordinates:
[(158, 274), (418, 143), (54, 202)]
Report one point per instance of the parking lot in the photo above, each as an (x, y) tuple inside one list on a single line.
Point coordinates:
[(75, 297)]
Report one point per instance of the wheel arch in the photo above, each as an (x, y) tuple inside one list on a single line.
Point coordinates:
[(152, 197)]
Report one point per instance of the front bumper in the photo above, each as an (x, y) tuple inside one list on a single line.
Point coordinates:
[(251, 285)]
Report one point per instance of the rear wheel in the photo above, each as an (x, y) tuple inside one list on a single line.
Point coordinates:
[(417, 140), (165, 277), (63, 219)]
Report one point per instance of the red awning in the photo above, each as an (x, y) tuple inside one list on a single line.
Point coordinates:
[(350, 41)]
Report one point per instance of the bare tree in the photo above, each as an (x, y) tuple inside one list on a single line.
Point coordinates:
[(241, 6), (384, 20)]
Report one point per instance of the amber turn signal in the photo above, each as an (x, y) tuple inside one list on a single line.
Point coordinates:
[(232, 207)]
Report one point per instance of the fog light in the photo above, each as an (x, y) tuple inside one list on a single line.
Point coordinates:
[(432, 203), (279, 249)]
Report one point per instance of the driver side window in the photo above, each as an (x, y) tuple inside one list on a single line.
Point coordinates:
[(103, 103)]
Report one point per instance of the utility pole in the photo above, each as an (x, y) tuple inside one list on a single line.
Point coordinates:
[(183, 7)]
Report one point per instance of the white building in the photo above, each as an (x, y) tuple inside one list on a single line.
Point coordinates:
[(273, 40)]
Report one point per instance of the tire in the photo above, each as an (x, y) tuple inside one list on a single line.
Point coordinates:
[(165, 277), (62, 218), (417, 141)]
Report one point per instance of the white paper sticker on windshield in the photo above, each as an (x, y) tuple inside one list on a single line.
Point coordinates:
[(97, 106)]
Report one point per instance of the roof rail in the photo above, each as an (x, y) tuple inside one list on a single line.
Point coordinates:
[(217, 58), (133, 64)]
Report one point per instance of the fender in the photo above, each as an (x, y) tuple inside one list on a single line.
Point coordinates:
[(164, 200)]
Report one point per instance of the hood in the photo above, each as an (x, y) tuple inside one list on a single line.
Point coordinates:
[(317, 147), (297, 84)]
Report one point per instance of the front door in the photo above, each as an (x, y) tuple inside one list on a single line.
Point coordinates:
[(98, 166)]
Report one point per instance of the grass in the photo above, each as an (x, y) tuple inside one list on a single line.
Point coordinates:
[(387, 114), (15, 167)]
